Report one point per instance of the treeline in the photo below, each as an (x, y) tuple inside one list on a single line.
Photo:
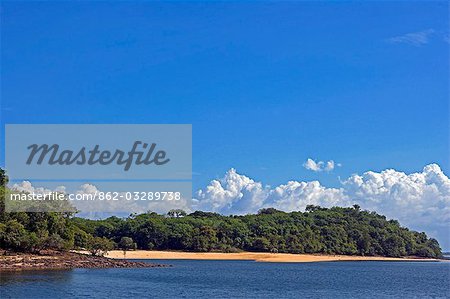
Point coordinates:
[(317, 230)]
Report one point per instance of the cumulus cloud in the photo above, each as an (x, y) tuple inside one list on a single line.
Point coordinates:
[(414, 38), (27, 187), (418, 200), (312, 165), (238, 194), (234, 193)]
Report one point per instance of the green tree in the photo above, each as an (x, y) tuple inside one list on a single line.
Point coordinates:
[(100, 246), (14, 236), (261, 244), (176, 213), (54, 241), (205, 239), (126, 243)]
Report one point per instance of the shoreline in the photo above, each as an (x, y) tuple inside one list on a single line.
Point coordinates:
[(253, 256), (54, 260)]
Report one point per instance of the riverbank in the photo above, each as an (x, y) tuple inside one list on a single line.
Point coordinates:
[(63, 260), (252, 256), (115, 259)]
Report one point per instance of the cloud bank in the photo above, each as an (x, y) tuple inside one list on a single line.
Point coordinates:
[(419, 200)]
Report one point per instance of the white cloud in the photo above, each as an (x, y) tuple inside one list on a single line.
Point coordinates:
[(238, 194), (27, 187), (418, 200), (414, 38), (234, 193), (310, 164)]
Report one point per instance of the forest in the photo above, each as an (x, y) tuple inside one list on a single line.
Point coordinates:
[(336, 230)]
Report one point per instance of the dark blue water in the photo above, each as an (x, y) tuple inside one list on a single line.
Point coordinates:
[(238, 279)]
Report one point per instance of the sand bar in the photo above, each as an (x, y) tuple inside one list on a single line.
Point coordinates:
[(252, 256)]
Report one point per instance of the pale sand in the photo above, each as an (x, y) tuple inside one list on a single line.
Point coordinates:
[(252, 256)]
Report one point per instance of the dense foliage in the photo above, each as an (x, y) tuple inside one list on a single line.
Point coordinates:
[(317, 230)]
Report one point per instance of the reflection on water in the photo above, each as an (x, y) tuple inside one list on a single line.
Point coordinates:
[(237, 279), (36, 276)]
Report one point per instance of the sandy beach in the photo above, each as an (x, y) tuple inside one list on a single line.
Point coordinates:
[(252, 256)]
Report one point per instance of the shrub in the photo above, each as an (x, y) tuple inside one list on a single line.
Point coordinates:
[(100, 246)]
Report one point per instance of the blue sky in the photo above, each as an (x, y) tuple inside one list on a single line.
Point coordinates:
[(265, 85)]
